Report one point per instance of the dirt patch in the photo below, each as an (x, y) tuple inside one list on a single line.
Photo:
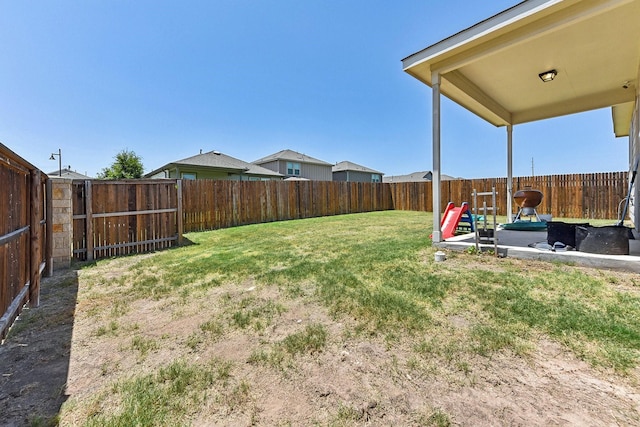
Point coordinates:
[(34, 360), (63, 358)]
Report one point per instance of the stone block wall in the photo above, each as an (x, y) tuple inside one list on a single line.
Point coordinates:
[(62, 216)]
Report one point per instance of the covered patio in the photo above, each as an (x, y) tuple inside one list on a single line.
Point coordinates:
[(537, 60)]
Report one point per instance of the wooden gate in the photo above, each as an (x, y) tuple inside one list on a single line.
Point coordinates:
[(114, 218)]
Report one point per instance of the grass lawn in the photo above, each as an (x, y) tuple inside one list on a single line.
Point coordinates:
[(188, 336)]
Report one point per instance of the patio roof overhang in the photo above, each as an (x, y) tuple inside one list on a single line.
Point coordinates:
[(492, 67)]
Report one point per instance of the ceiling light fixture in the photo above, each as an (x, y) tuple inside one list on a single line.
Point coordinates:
[(547, 76)]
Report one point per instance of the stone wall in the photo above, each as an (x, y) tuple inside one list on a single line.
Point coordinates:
[(62, 215)]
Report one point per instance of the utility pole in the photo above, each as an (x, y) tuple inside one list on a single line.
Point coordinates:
[(532, 174)]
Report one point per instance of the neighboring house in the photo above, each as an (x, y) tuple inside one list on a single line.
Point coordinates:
[(352, 172), (293, 164), (416, 177), (214, 165), (67, 173)]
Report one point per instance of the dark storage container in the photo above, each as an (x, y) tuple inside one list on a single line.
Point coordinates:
[(607, 240), (558, 231)]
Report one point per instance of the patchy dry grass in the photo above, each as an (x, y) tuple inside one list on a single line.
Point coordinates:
[(194, 331)]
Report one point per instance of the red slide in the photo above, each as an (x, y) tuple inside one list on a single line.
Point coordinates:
[(451, 219)]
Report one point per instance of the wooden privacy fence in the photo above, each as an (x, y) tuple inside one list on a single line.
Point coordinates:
[(23, 235), (113, 218), (212, 204), (589, 196)]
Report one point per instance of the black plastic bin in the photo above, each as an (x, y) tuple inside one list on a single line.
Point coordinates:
[(565, 232), (607, 240)]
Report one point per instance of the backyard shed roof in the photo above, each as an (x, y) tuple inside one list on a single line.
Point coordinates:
[(492, 67)]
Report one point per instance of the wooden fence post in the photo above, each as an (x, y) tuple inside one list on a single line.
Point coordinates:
[(89, 219), (179, 215), (48, 246), (35, 193)]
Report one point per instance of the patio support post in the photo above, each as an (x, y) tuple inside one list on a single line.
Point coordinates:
[(635, 149), (435, 183), (509, 172)]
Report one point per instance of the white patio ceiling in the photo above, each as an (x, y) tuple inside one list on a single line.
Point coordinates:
[(492, 68)]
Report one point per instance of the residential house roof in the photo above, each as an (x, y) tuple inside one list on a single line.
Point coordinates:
[(67, 173), (217, 160), (290, 155), (416, 177), (493, 67), (350, 166)]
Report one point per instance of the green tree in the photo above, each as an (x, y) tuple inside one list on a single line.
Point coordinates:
[(127, 165)]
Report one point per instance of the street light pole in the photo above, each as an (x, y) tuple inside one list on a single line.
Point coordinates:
[(53, 157)]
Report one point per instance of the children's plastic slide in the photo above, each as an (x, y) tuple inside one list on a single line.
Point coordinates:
[(452, 218)]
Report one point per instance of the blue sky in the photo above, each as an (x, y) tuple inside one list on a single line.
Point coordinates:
[(250, 78)]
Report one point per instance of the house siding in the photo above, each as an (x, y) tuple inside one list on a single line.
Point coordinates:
[(353, 176), (159, 175), (200, 174), (309, 171), (340, 176), (312, 171), (274, 166), (208, 174)]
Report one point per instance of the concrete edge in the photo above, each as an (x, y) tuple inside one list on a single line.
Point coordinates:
[(611, 262)]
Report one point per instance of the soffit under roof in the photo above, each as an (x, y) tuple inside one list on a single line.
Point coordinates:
[(492, 68)]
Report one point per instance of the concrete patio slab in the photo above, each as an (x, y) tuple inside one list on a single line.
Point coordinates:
[(521, 244)]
